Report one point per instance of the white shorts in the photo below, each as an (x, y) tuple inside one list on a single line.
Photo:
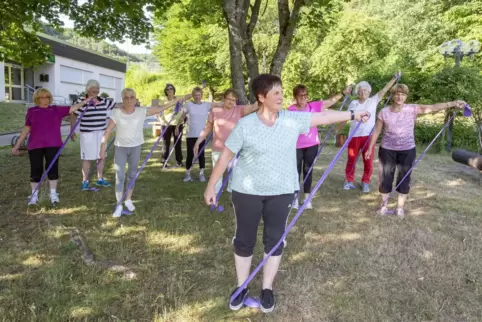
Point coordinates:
[(90, 143)]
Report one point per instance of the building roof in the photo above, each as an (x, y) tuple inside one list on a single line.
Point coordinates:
[(71, 51)]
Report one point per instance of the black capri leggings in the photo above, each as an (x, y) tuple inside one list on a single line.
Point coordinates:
[(37, 157), (248, 210), (190, 142), (388, 161), (305, 158)]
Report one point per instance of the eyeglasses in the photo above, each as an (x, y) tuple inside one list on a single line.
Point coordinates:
[(302, 95), (170, 89), (44, 97)]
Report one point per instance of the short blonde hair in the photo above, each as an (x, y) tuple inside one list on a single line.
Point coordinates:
[(92, 83), (128, 90), (399, 88), (39, 92)]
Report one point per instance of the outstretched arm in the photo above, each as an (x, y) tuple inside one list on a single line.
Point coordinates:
[(248, 109), (329, 117), (426, 109), (389, 85), (158, 109), (332, 100)]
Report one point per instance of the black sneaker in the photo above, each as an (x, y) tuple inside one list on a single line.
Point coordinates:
[(267, 301), (238, 302)]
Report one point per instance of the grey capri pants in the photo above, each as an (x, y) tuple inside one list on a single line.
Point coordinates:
[(122, 156)]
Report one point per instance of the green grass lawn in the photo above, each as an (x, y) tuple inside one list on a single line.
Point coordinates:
[(12, 117), (172, 260)]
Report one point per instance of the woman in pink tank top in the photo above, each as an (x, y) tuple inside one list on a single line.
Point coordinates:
[(397, 150), (307, 145)]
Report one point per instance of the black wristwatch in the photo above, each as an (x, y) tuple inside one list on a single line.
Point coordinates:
[(352, 114)]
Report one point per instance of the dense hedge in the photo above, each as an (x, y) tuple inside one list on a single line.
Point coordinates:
[(464, 135)]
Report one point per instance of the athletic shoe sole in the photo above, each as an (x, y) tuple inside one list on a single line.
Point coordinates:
[(264, 310)]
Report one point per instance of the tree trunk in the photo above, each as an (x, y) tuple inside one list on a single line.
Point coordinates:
[(248, 45), (287, 26), (235, 18)]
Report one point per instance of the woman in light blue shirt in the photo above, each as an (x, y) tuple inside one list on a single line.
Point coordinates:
[(265, 177)]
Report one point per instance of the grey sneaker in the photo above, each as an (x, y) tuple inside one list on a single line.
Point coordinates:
[(348, 185), (365, 187), (202, 178), (187, 178)]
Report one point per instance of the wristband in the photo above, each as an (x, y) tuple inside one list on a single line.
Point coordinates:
[(352, 114)]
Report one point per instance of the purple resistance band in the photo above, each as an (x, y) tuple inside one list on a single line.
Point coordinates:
[(467, 111), (44, 175), (220, 208), (295, 218), (91, 172), (202, 149), (131, 183), (327, 136)]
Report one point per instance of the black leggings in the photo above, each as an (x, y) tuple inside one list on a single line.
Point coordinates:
[(37, 168), (388, 161), (248, 210), (167, 143), (305, 158), (190, 153)]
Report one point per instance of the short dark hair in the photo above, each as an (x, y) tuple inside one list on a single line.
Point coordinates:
[(298, 89), (230, 91), (169, 85), (262, 84), (197, 89)]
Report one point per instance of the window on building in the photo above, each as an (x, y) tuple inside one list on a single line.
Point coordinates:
[(107, 81)]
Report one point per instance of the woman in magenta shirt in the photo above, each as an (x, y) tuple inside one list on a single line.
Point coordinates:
[(307, 145), (43, 122), (397, 150)]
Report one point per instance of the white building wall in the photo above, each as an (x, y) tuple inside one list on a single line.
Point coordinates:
[(48, 69), (2, 82), (71, 77)]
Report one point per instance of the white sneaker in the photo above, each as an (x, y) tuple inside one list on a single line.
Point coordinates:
[(32, 200), (54, 198), (400, 213), (383, 211), (187, 178), (202, 178), (308, 205), (130, 206), (295, 204), (118, 212)]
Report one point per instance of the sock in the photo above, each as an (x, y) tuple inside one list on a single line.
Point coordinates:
[(201, 172), (52, 191)]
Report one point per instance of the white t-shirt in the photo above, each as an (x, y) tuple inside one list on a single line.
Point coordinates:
[(197, 115), (370, 105), (129, 128)]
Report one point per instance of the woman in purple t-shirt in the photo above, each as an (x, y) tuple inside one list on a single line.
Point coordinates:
[(397, 150), (307, 145), (43, 122)]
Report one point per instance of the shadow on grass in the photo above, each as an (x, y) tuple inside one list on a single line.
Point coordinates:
[(341, 264)]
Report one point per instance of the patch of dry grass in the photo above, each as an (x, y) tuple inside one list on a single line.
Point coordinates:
[(342, 263)]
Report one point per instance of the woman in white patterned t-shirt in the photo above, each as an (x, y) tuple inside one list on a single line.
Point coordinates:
[(128, 120), (265, 177), (397, 150)]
